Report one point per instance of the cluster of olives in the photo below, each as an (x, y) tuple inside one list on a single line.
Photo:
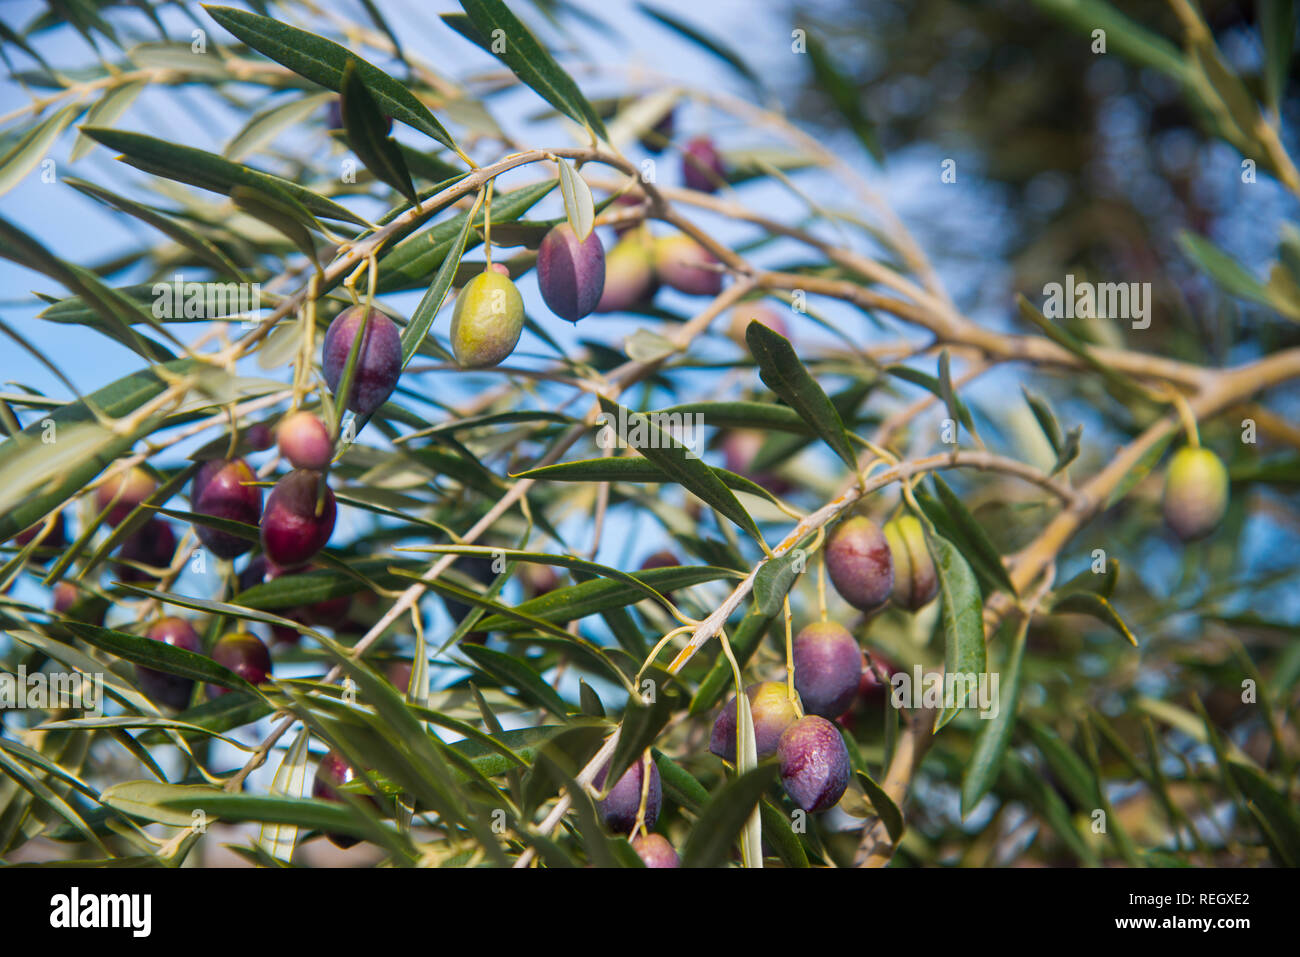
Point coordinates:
[(241, 652), (577, 278), (619, 808)]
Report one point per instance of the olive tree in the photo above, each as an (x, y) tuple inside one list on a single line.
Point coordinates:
[(377, 544)]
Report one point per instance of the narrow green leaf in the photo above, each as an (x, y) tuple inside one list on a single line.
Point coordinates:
[(1099, 607), (323, 61), (514, 45), (782, 372), (884, 805), (368, 134), (678, 462), (994, 735), (33, 147), (963, 623), (973, 537), (714, 835), (184, 164), (1273, 809), (431, 302), (511, 670), (160, 656)]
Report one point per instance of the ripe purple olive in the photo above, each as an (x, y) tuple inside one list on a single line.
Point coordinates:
[(620, 806), (656, 139), (859, 563), (871, 690), (65, 596), (379, 363), (259, 437), (815, 764), (739, 446), (331, 774), (628, 225), (570, 272), (655, 851), (1196, 493), (399, 675), (305, 441), (167, 689), (124, 492), (56, 537), (226, 490), (538, 580), (660, 559), (915, 580), (772, 711), (245, 655), (629, 275), (152, 545), (293, 530), (702, 166), (685, 265), (486, 321), (827, 668)]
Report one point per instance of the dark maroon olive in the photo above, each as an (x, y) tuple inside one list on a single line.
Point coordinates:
[(56, 537), (259, 437), (655, 851), (293, 530), (702, 166), (656, 139), (245, 655), (859, 562), (538, 580), (399, 674), (331, 774), (153, 544), (570, 272), (226, 490), (124, 492), (379, 362), (620, 806), (660, 559), (827, 668), (871, 690), (257, 571), (628, 199), (815, 763), (168, 689)]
